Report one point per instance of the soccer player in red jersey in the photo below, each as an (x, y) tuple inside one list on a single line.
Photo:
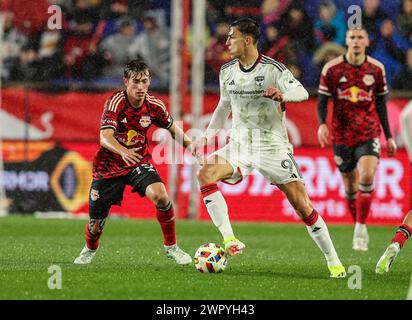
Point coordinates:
[(357, 84), (123, 159)]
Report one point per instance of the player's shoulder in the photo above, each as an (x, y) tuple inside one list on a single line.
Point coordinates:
[(228, 65), (115, 100), (268, 61), (375, 63), (155, 102), (334, 63)]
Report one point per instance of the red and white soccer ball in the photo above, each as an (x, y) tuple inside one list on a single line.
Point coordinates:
[(211, 258)]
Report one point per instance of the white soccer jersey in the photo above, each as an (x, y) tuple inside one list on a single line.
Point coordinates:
[(255, 119)]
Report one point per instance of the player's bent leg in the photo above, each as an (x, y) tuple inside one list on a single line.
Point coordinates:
[(402, 234), (157, 193), (214, 170), (367, 168), (317, 229)]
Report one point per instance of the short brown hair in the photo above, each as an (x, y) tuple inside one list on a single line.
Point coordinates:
[(247, 26), (136, 66)]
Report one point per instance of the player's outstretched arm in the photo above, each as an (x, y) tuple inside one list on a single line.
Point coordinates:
[(108, 141), (181, 137), (295, 94)]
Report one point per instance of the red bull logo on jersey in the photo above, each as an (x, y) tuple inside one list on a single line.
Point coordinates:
[(145, 121), (131, 138), (355, 94)]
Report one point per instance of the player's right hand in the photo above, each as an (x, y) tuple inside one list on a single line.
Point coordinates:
[(323, 135), (131, 156)]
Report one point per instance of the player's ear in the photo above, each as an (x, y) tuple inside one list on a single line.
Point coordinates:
[(125, 81)]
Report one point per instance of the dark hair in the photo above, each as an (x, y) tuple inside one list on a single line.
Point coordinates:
[(136, 66), (247, 26)]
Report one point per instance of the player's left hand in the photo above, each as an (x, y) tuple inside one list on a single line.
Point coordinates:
[(196, 149), (391, 146), (274, 94)]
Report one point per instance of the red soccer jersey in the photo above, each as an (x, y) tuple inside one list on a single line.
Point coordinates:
[(130, 127), (353, 88)]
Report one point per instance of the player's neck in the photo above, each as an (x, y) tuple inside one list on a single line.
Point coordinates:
[(248, 59), (355, 59)]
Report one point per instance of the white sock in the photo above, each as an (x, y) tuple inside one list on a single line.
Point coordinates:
[(320, 234), (218, 211), (360, 230)]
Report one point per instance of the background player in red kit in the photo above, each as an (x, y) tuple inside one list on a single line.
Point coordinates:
[(123, 159), (357, 84)]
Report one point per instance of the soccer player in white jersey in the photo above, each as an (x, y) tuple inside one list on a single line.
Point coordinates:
[(254, 89)]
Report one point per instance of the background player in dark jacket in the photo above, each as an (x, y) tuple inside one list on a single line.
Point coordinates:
[(123, 159), (357, 84)]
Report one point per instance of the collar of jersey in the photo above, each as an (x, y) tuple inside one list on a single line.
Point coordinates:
[(355, 65), (252, 67)]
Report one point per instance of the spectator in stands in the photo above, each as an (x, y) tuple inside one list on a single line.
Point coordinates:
[(326, 53), (87, 9), (405, 20), (403, 80), (152, 45), (13, 42), (115, 49), (216, 53), (79, 51), (28, 19), (278, 46), (49, 56), (272, 10), (372, 18), (331, 25), (296, 24), (115, 9), (390, 49), (214, 14)]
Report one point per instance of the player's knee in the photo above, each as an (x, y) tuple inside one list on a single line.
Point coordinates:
[(207, 174), (96, 226), (161, 199), (366, 176)]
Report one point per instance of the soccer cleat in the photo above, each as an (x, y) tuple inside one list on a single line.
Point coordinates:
[(177, 254), (385, 262), (233, 246), (337, 271), (86, 256)]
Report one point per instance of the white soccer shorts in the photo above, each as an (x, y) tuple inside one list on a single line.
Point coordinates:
[(277, 165)]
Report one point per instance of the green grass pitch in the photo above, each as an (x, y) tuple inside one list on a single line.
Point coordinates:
[(280, 262)]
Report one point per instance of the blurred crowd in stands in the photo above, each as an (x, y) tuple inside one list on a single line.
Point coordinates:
[(98, 36)]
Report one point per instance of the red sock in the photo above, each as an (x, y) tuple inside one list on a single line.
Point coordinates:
[(92, 240), (363, 206), (311, 219), (208, 189), (352, 207), (166, 218), (402, 234)]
